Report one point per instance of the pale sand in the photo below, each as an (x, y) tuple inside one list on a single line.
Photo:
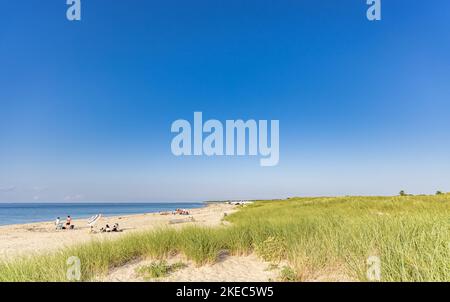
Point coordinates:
[(26, 239), (227, 269), (38, 238)]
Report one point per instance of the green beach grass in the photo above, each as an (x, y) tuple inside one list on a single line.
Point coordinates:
[(158, 269), (326, 238)]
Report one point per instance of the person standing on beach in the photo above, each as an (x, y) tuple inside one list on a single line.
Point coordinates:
[(68, 222)]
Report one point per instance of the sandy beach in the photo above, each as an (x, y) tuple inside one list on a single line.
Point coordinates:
[(40, 238), (27, 239), (227, 269)]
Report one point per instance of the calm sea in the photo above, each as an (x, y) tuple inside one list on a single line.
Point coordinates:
[(18, 213)]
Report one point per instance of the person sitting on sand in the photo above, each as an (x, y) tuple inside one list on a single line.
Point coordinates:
[(59, 225), (115, 228)]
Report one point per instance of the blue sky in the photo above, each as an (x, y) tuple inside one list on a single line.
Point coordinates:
[(86, 107)]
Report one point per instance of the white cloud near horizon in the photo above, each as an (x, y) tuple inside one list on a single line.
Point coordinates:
[(7, 189), (76, 197), (39, 189)]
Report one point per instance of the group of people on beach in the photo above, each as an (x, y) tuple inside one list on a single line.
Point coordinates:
[(108, 229), (180, 212), (64, 226), (68, 225)]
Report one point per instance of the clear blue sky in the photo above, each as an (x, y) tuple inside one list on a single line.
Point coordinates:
[(86, 107)]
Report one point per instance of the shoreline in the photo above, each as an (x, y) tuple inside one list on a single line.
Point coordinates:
[(201, 204), (41, 237)]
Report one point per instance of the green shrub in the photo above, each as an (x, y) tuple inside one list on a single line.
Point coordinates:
[(288, 274), (158, 269), (272, 249)]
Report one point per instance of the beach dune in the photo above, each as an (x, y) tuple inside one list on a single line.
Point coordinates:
[(34, 238)]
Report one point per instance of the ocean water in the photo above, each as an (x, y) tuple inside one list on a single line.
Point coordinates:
[(18, 213)]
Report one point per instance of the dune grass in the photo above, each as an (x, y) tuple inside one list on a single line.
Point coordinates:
[(158, 269), (319, 238)]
